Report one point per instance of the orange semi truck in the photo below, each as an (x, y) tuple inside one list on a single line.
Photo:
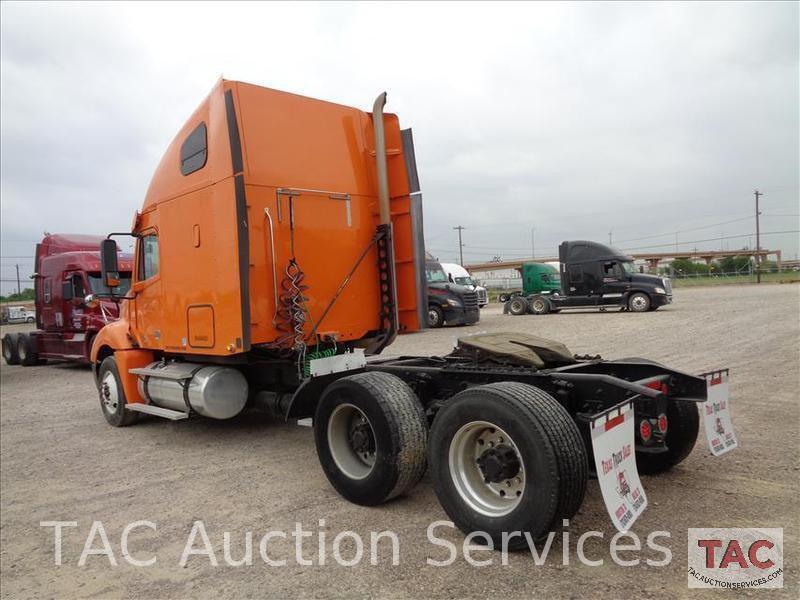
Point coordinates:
[(279, 250)]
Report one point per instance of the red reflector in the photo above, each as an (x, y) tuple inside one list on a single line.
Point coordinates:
[(611, 423), (662, 423), (658, 386), (645, 431)]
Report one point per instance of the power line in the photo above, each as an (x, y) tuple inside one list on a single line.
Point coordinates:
[(649, 237), (714, 239)]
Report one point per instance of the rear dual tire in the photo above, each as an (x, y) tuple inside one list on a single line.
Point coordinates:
[(518, 306), (507, 458), (26, 350), (539, 306), (10, 353), (371, 435)]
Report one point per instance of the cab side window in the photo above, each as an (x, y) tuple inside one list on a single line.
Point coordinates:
[(194, 151), (148, 257), (612, 270)]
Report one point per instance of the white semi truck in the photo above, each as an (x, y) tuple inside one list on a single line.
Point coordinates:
[(458, 274)]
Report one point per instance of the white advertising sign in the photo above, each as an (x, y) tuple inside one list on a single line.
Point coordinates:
[(717, 414), (615, 461)]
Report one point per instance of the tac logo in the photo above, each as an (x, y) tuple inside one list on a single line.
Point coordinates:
[(735, 558)]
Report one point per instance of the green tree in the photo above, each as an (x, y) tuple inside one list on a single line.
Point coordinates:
[(25, 296), (735, 264), (684, 266)]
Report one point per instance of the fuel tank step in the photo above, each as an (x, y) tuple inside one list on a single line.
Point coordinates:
[(150, 409)]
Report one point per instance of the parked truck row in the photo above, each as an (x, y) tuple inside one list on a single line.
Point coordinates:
[(256, 277), (591, 275)]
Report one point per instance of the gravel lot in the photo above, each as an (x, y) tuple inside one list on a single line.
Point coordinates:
[(60, 461)]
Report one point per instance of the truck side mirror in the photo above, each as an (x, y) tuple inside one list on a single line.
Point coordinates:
[(108, 263), (67, 290), (91, 301)]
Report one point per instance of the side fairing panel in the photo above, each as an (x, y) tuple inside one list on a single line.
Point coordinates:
[(312, 195)]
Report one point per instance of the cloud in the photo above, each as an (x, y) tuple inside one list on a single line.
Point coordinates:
[(575, 119)]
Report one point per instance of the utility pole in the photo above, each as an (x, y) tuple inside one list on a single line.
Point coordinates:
[(676, 242), (758, 239), (609, 237), (533, 246), (460, 244), (19, 291)]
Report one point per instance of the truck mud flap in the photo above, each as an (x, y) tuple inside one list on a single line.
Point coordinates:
[(615, 461), (717, 413)]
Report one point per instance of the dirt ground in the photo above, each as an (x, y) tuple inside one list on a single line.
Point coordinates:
[(62, 462)]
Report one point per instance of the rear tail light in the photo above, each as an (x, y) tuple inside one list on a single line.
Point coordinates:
[(645, 430), (662, 423)]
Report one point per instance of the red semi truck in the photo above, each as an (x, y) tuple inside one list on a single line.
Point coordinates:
[(69, 311)]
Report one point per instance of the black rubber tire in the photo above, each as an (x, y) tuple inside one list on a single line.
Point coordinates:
[(120, 417), (438, 321), (518, 306), (539, 305), (504, 298), (30, 320), (401, 436), (644, 307), (10, 354), (552, 451), (25, 350), (683, 425)]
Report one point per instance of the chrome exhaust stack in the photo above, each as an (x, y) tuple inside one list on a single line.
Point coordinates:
[(389, 310), (380, 159)]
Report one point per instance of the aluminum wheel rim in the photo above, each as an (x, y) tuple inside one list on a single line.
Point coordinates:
[(538, 305), (21, 351), (354, 464), (433, 317), (110, 393), (487, 498), (638, 302)]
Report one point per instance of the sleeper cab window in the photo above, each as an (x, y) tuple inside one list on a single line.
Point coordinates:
[(194, 151), (148, 257), (47, 291)]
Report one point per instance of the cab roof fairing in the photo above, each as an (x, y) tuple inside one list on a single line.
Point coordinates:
[(581, 251)]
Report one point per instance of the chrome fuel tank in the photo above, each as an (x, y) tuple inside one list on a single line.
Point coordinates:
[(213, 391)]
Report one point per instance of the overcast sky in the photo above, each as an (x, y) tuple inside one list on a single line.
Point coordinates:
[(575, 119)]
